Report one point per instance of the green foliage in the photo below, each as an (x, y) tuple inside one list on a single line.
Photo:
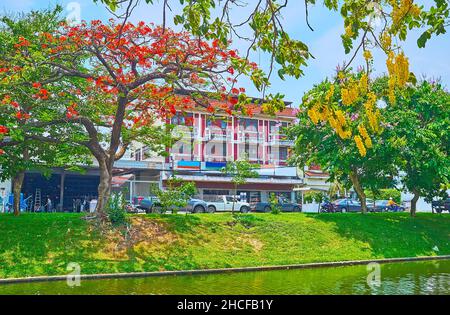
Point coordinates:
[(240, 170), (24, 148), (418, 129), (385, 194), (176, 194), (115, 209), (314, 196), (319, 143)]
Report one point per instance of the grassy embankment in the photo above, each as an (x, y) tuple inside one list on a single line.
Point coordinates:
[(43, 244)]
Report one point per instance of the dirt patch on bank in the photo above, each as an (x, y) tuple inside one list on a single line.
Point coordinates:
[(118, 243)]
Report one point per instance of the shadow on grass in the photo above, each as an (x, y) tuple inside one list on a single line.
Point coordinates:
[(394, 234), (42, 243)]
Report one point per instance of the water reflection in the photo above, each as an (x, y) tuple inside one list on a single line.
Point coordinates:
[(431, 277)]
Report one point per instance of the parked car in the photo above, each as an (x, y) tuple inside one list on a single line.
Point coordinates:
[(149, 204), (196, 206), (225, 203), (441, 205), (347, 205), (286, 206)]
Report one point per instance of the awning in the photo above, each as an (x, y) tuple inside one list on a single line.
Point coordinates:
[(118, 181)]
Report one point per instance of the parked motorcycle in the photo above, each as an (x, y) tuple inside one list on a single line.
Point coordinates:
[(328, 207)]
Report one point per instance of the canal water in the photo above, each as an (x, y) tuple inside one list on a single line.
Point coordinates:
[(425, 277)]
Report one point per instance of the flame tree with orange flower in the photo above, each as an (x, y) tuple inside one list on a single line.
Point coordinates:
[(123, 78)]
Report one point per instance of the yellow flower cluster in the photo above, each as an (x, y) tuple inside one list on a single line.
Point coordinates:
[(360, 145), (364, 84), (373, 113), (349, 31), (329, 94), (402, 10), (350, 93), (398, 67), (365, 135), (339, 123), (386, 41), (313, 115), (337, 119), (367, 55)]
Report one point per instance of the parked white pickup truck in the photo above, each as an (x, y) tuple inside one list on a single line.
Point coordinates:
[(225, 203)]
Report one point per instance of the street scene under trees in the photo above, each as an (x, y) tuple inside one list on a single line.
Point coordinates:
[(145, 137)]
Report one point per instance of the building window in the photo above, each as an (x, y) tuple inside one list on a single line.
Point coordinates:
[(185, 119), (137, 155), (284, 153)]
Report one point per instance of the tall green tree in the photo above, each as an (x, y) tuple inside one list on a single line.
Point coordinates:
[(418, 126), (21, 143)]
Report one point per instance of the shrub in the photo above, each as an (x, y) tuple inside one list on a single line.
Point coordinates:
[(115, 209)]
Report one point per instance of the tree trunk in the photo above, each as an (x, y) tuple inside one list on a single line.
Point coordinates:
[(17, 188), (235, 194), (359, 190), (104, 188), (414, 202)]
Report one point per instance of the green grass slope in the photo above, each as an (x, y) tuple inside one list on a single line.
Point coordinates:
[(44, 244)]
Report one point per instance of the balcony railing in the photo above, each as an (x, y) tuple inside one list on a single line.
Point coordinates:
[(250, 137), (215, 158), (279, 139), (216, 136)]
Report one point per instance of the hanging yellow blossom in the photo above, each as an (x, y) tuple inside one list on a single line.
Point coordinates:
[(368, 142), (367, 55), (333, 122), (402, 69), (349, 94), (365, 135), (341, 118), (360, 146), (324, 113), (398, 68), (386, 41), (349, 31), (405, 8), (330, 94), (313, 115), (363, 131), (364, 84)]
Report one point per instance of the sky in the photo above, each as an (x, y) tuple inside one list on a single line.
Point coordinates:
[(324, 42)]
